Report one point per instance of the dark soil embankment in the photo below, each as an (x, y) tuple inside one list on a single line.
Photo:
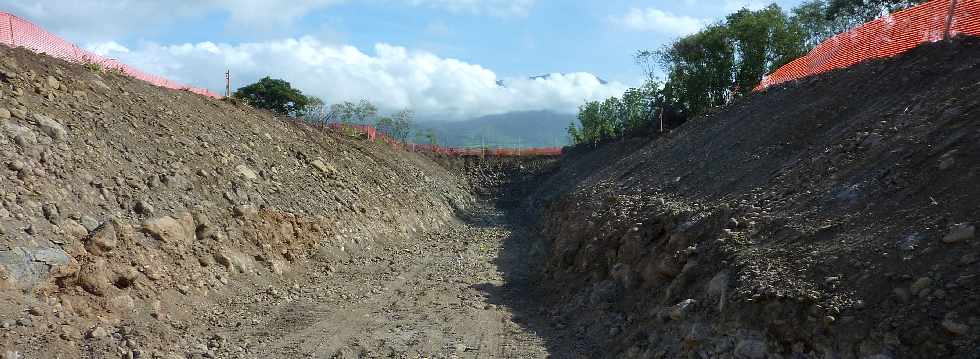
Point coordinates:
[(833, 217)]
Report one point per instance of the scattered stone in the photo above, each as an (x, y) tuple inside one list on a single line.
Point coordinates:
[(245, 211), (246, 172), (53, 82), (92, 278), (143, 207), (751, 349), (947, 163), (955, 328), (919, 285), (4, 114), (165, 228), (18, 113), (50, 127), (102, 240), (89, 223), (680, 310), (960, 232), (324, 167), (98, 333)]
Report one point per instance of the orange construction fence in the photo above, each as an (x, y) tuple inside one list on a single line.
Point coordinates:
[(17, 32), (885, 37)]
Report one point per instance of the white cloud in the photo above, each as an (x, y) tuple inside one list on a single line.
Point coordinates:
[(392, 77), (735, 5), (652, 19), (75, 18), (505, 8)]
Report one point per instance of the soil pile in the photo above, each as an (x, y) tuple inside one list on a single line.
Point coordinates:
[(833, 217), (133, 218)]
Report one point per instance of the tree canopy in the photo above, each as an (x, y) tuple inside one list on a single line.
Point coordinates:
[(724, 61), (274, 95)]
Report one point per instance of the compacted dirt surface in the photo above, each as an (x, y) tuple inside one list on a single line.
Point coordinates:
[(833, 217)]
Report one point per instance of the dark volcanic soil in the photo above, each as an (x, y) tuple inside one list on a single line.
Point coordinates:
[(833, 217)]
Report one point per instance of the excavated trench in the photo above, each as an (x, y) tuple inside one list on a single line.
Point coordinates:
[(141, 222)]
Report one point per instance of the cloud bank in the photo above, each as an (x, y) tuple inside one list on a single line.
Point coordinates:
[(656, 20), (393, 77)]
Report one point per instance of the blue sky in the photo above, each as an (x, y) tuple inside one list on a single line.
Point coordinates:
[(436, 55)]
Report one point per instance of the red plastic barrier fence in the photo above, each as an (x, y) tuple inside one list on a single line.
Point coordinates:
[(17, 32), (885, 37)]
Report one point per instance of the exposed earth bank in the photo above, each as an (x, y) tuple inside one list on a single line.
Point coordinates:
[(830, 218)]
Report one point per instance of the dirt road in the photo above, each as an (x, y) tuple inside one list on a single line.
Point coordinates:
[(461, 293)]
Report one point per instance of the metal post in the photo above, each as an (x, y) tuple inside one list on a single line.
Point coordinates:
[(10, 22), (228, 83), (949, 19)]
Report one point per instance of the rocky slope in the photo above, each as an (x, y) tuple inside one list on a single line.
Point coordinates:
[(125, 209), (831, 218)]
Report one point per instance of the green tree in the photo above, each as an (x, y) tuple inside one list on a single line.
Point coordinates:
[(385, 125), (763, 40), (402, 123), (362, 112), (315, 111), (574, 135), (274, 95), (855, 12)]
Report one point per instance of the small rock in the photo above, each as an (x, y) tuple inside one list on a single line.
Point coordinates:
[(919, 285), (50, 127), (751, 349), (35, 310), (955, 328), (960, 232), (143, 207), (18, 113), (165, 228), (89, 223), (98, 333), (246, 172), (93, 279), (245, 211), (947, 163), (679, 311), (51, 213), (102, 240), (4, 114), (53, 82)]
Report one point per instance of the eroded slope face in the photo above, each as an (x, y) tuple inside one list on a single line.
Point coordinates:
[(831, 218), (124, 206)]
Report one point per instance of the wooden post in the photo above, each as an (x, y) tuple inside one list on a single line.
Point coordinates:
[(228, 83), (949, 19)]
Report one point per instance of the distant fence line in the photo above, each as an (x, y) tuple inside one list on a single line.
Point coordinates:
[(374, 135), (17, 32), (884, 37)]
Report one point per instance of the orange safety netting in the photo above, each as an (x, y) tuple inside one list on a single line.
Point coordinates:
[(17, 32), (885, 37)]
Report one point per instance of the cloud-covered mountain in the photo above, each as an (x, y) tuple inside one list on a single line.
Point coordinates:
[(524, 128)]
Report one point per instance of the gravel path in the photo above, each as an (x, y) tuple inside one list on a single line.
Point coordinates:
[(450, 295)]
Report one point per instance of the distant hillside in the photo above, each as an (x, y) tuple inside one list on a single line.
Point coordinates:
[(527, 129)]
